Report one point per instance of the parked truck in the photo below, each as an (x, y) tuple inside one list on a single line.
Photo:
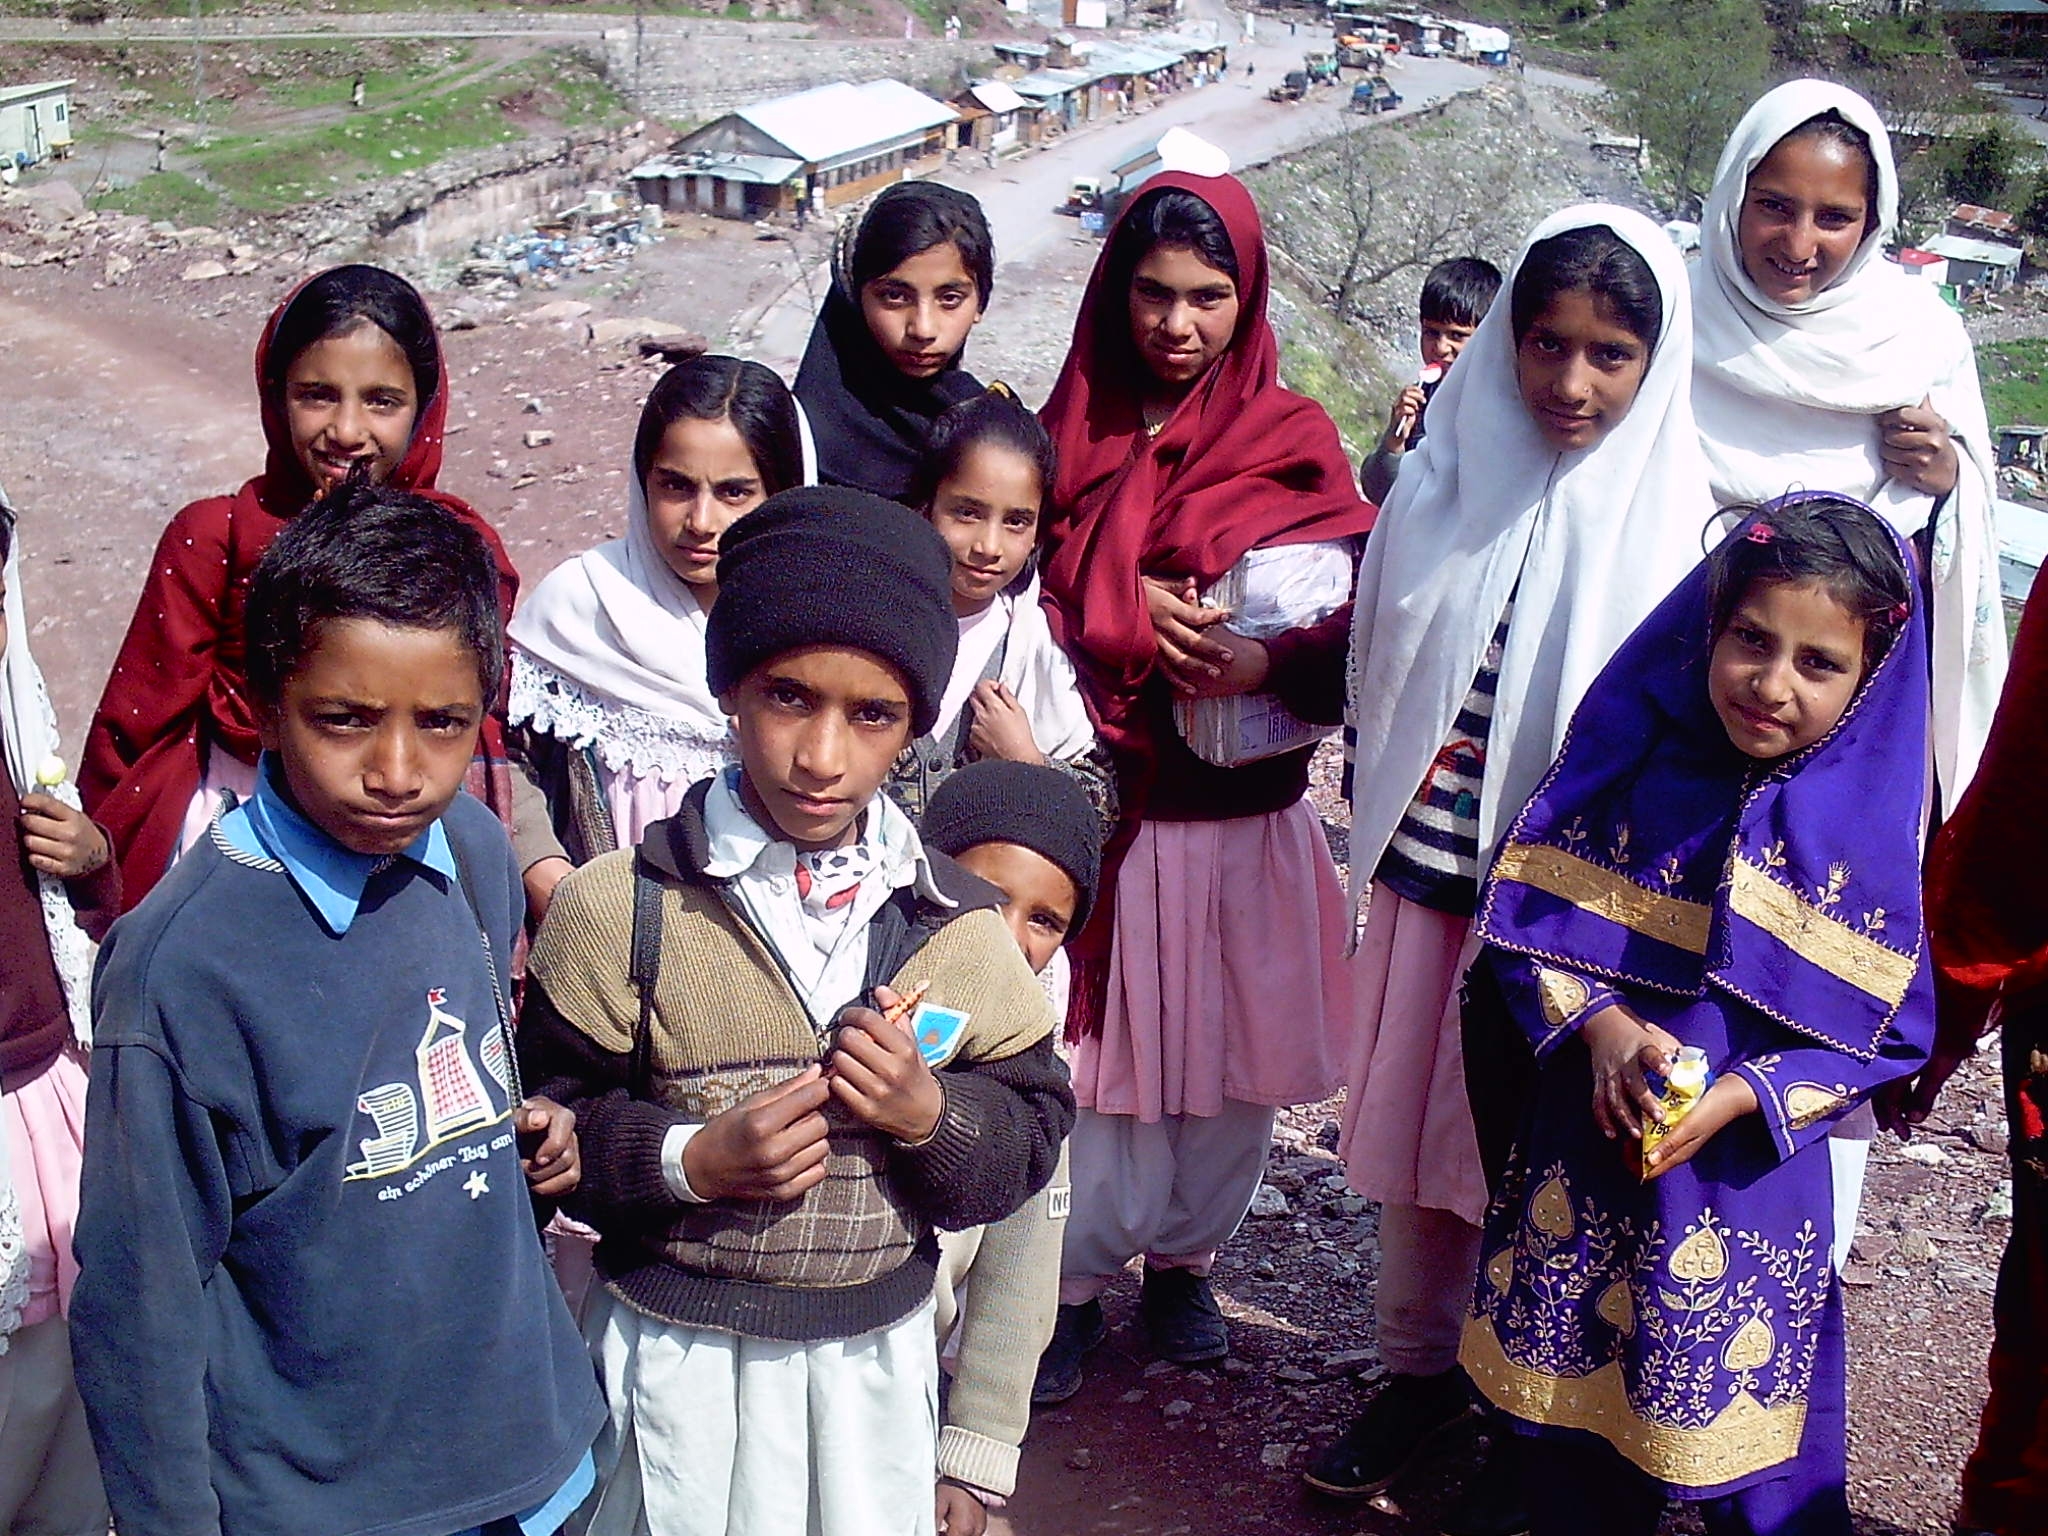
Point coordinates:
[(1292, 87), (1374, 95)]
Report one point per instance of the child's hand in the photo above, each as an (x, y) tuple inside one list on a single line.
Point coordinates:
[(1001, 728), (556, 1167), (960, 1513), (1188, 657), (1623, 1047), (60, 839), (878, 1074), (1729, 1098), (770, 1146), (1402, 418), (1249, 666)]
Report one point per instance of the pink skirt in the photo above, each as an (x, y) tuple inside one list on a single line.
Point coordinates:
[(1408, 1137), (1227, 977), (43, 1118)]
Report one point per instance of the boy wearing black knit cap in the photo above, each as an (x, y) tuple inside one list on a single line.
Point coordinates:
[(1029, 831), (796, 1041)]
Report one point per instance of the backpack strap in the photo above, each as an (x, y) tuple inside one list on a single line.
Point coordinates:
[(645, 964), (465, 878)]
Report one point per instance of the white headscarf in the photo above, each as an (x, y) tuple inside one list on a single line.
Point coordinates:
[(30, 727), (608, 652), (1785, 395), (1587, 542)]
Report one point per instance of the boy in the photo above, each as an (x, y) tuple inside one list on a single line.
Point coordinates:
[(1455, 298), (1030, 832), (765, 1155), (313, 1298)]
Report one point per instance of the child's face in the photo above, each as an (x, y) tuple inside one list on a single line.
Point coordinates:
[(1785, 667), (1038, 896), (1443, 340), (376, 729), (1578, 370), (818, 730), (350, 397), (1183, 314), (987, 512), (1802, 217), (702, 481), (920, 311)]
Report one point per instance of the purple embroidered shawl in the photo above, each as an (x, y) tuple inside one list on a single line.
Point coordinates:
[(1655, 853)]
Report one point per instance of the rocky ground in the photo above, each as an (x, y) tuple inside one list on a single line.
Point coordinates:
[(127, 346)]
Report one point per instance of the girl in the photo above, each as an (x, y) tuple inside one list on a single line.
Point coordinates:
[(1197, 1007), (612, 715), (351, 380), (1491, 594), (1726, 857), (910, 279), (59, 885), (1012, 695), (1820, 364)]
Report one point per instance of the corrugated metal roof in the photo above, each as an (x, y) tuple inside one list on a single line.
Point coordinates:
[(761, 170), (1128, 59), (41, 88), (1052, 82), (998, 97), (1998, 7), (1962, 248), (1984, 218), (840, 119)]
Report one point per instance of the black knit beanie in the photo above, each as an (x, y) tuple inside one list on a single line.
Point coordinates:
[(1028, 804), (822, 565)]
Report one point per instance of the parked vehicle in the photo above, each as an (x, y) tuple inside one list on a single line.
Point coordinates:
[(1374, 95), (1292, 87), (1321, 68)]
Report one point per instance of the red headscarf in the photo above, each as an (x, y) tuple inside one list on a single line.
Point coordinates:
[(1242, 464), (180, 683)]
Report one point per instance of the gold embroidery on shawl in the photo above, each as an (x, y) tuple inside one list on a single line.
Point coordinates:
[(1617, 1308), (1819, 939), (1670, 919), (1806, 1103), (1751, 1348), (1702, 1256), (1500, 1270), (1551, 1210), (1744, 1438), (1564, 995)]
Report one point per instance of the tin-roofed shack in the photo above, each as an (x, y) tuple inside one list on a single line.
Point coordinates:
[(824, 146)]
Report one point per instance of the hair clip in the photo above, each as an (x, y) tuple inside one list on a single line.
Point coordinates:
[(1760, 533), (1899, 612)]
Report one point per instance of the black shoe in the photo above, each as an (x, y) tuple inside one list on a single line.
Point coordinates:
[(1491, 1503), (1181, 1317), (1405, 1415), (1075, 1331)]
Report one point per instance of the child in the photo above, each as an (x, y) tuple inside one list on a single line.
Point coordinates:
[(1012, 693), (1455, 298), (1033, 835), (350, 376), (765, 1154), (1198, 1009), (307, 1250), (60, 885), (910, 278), (1487, 603), (612, 716), (1726, 856)]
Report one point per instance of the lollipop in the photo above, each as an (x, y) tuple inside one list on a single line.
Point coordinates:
[(50, 772)]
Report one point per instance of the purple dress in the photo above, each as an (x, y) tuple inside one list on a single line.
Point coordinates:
[(1768, 913)]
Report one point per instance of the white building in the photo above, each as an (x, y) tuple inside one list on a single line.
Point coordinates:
[(35, 122)]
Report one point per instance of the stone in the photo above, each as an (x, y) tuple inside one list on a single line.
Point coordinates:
[(1925, 1153), (1999, 1206), (1916, 1247), (1277, 1454), (538, 437), (531, 405), (559, 310), (1349, 1360), (203, 271), (1269, 1202), (1179, 1408), (609, 333), (1080, 1459), (118, 267), (1135, 1395), (674, 346), (239, 251), (456, 320)]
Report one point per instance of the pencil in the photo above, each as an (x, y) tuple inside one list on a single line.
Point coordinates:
[(905, 1005)]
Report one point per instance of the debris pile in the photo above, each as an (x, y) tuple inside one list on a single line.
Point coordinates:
[(585, 239)]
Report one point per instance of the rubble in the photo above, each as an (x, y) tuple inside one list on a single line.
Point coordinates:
[(579, 240), (203, 271)]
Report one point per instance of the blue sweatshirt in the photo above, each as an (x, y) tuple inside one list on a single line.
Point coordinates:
[(312, 1301)]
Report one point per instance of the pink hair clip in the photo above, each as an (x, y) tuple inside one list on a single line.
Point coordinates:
[(1898, 612), (1760, 533)]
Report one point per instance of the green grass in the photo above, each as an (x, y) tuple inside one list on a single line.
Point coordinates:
[(271, 171), (418, 67), (166, 195), (2015, 375)]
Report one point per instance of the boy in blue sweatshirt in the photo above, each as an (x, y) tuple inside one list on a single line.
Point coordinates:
[(312, 1300)]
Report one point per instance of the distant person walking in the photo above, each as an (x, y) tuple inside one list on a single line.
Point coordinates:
[(162, 139), (355, 94)]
